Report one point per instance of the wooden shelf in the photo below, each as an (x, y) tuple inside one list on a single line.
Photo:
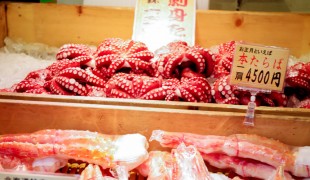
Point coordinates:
[(59, 24)]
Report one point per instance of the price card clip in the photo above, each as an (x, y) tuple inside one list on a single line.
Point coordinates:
[(250, 113), (258, 68)]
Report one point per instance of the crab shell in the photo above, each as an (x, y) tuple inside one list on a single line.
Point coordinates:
[(108, 151)]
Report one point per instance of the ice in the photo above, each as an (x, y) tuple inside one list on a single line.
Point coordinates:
[(15, 67), (17, 59)]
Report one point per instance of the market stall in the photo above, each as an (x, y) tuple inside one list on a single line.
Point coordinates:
[(55, 25)]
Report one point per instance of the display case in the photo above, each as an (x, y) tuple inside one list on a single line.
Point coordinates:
[(56, 25)]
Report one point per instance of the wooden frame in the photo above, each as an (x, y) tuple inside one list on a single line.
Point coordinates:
[(58, 24), (18, 116)]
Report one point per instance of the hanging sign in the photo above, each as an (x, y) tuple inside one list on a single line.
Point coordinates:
[(259, 67), (158, 22), (7, 175)]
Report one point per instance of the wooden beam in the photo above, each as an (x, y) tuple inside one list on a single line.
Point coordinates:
[(3, 24), (59, 24), (285, 111), (20, 116)]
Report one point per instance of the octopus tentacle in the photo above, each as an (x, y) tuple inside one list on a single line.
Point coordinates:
[(298, 82), (57, 89), (197, 58), (58, 66), (145, 55), (172, 64), (70, 51), (156, 94), (27, 85), (72, 85)]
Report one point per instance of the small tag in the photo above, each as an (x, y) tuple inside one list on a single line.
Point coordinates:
[(15, 175), (159, 22), (249, 117), (259, 67)]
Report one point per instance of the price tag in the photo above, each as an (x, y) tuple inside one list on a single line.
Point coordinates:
[(259, 67), (158, 22), (8, 175)]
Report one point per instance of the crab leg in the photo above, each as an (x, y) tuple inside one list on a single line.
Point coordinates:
[(243, 167), (253, 147), (104, 150), (182, 163)]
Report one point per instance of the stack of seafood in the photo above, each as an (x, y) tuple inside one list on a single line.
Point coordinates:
[(175, 72), (99, 156)]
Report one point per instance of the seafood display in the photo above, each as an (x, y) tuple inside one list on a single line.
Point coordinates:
[(175, 72), (184, 162), (49, 150), (235, 151), (99, 156)]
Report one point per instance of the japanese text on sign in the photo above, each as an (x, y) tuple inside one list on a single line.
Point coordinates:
[(158, 22), (259, 67)]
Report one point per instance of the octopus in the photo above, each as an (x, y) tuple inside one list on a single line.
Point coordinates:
[(116, 55), (224, 58), (195, 89), (225, 93), (298, 84), (177, 60)]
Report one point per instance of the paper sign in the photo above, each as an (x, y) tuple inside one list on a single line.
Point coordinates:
[(4, 175), (158, 22), (259, 67)]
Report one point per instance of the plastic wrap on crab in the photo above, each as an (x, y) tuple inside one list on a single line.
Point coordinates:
[(250, 156), (184, 162)]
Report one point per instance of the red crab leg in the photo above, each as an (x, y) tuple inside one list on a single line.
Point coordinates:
[(104, 150), (233, 146), (241, 166)]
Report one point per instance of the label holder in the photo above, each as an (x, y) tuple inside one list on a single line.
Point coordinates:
[(250, 113)]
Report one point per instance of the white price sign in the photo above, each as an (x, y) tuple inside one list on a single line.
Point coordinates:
[(259, 67), (159, 22)]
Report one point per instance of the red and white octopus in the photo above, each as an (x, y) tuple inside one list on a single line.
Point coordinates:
[(177, 60), (116, 55), (195, 89), (224, 58), (224, 93), (84, 71), (81, 71), (298, 84)]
